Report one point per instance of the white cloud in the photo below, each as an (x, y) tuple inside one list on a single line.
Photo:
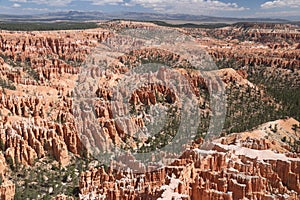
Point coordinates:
[(281, 4), (167, 6), (36, 9), (16, 5), (105, 2), (65, 2), (19, 1), (46, 2), (187, 6)]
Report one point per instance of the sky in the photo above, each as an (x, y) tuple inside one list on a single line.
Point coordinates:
[(222, 8)]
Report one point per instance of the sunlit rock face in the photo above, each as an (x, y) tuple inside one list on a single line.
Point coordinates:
[(239, 166)]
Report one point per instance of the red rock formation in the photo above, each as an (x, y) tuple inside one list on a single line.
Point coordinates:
[(46, 55), (35, 126), (228, 171), (24, 142), (212, 176), (7, 190)]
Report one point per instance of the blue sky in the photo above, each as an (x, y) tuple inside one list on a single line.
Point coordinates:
[(228, 8)]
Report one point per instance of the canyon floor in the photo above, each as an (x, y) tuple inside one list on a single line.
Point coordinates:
[(133, 110)]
